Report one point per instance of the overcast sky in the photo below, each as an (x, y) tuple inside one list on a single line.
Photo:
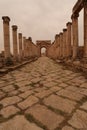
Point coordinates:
[(40, 19)]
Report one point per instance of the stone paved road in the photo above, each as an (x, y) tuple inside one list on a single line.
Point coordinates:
[(43, 96)]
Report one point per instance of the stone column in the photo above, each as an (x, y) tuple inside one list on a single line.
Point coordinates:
[(69, 25), (15, 46), (6, 31), (57, 45), (61, 44), (20, 46), (85, 29), (64, 42), (75, 35), (24, 46)]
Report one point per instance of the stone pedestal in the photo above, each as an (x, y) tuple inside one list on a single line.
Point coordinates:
[(68, 46), (6, 31), (15, 46), (75, 35), (20, 46)]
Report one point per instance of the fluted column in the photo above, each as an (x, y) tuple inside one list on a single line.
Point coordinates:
[(75, 35), (6, 31), (64, 42), (69, 25), (85, 29), (20, 46), (15, 46)]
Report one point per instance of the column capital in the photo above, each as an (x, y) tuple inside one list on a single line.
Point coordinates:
[(69, 23), (64, 30), (30, 39), (6, 19), (56, 36), (14, 27), (61, 33), (85, 2), (74, 16), (20, 35)]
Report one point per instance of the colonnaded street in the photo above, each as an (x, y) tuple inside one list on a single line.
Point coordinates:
[(43, 95)]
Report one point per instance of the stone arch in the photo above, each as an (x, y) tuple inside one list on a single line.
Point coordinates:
[(43, 44)]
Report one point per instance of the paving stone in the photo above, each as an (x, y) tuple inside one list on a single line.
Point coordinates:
[(55, 89), (84, 85), (2, 95), (26, 94), (43, 94), (79, 120), (40, 89), (67, 128), (70, 94), (63, 85), (45, 116), (13, 93), (28, 102), (59, 103), (8, 88), (10, 100), (9, 111), (84, 106), (19, 123)]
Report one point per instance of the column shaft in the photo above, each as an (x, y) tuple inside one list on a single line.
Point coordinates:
[(69, 25), (20, 46), (6, 31), (64, 42), (75, 35), (15, 46), (85, 29)]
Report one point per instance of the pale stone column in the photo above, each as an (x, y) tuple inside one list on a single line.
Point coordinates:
[(20, 46), (85, 29), (15, 46), (75, 35), (6, 31), (64, 42), (57, 45), (61, 44), (69, 25), (24, 46)]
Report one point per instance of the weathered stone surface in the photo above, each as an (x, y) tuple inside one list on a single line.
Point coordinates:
[(79, 120), (19, 123), (9, 111), (70, 94), (28, 102), (26, 94), (8, 88), (67, 128), (45, 116), (43, 94), (2, 95), (84, 106), (10, 100), (59, 103)]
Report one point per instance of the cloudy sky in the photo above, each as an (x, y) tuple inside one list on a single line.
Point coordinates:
[(40, 19)]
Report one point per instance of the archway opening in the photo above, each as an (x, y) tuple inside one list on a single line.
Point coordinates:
[(43, 51)]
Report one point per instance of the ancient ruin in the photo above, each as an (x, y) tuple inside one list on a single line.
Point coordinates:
[(61, 49), (44, 92)]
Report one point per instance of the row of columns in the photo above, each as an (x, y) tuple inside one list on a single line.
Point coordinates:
[(19, 52), (68, 40)]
